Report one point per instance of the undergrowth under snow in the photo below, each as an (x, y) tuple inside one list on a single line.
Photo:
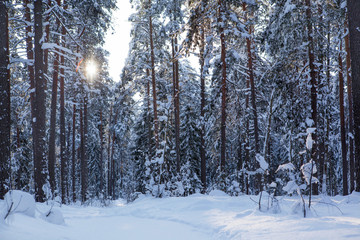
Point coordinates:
[(213, 216)]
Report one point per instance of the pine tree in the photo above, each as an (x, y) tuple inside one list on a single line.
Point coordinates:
[(5, 123), (354, 19)]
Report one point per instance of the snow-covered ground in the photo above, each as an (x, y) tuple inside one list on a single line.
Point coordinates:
[(214, 216)]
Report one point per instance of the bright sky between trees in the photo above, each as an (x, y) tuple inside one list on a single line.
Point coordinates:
[(118, 38)]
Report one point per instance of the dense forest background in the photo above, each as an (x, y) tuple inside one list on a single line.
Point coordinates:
[(240, 96)]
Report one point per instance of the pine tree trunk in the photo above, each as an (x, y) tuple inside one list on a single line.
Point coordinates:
[(30, 57), (63, 161), (101, 153), (176, 101), (108, 154), (354, 20), (39, 131), (113, 162), (223, 85), (252, 83), (152, 55), (148, 118), (313, 83), (5, 121), (350, 103), (342, 125), (46, 39), (73, 154), (83, 164), (202, 111), (52, 135), (251, 80)]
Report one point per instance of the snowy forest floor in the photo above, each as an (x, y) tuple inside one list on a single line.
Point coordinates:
[(213, 216)]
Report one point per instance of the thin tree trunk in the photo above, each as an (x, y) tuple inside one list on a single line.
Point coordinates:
[(223, 85), (63, 161), (46, 40), (156, 122), (350, 103), (202, 111), (313, 87), (251, 80), (113, 163), (82, 158), (73, 154), (85, 165), (176, 102), (5, 121), (39, 131), (108, 153), (52, 135), (30, 65), (101, 153), (354, 19), (148, 119), (342, 125)]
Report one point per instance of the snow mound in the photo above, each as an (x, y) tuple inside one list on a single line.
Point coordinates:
[(54, 216), (17, 201), (217, 193)]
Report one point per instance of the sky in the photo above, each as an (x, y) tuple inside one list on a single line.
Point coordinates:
[(117, 39)]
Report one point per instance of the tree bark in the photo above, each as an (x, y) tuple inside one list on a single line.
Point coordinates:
[(342, 125), (108, 153), (252, 82), (101, 153), (152, 55), (354, 20), (5, 121), (176, 101), (46, 39), (52, 135), (350, 103), (223, 85), (73, 154), (63, 161), (313, 86), (202, 111), (39, 118)]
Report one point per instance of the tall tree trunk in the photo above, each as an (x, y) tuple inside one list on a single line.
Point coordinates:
[(85, 166), (52, 135), (148, 118), (46, 39), (202, 111), (350, 103), (63, 161), (109, 152), (152, 55), (73, 155), (101, 153), (39, 131), (223, 85), (320, 78), (313, 83), (113, 162), (5, 121), (342, 125), (30, 65), (176, 101), (83, 162), (251, 80), (354, 20)]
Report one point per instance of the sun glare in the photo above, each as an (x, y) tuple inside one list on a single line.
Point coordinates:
[(91, 69)]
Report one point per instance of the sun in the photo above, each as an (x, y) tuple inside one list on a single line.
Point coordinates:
[(91, 69)]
